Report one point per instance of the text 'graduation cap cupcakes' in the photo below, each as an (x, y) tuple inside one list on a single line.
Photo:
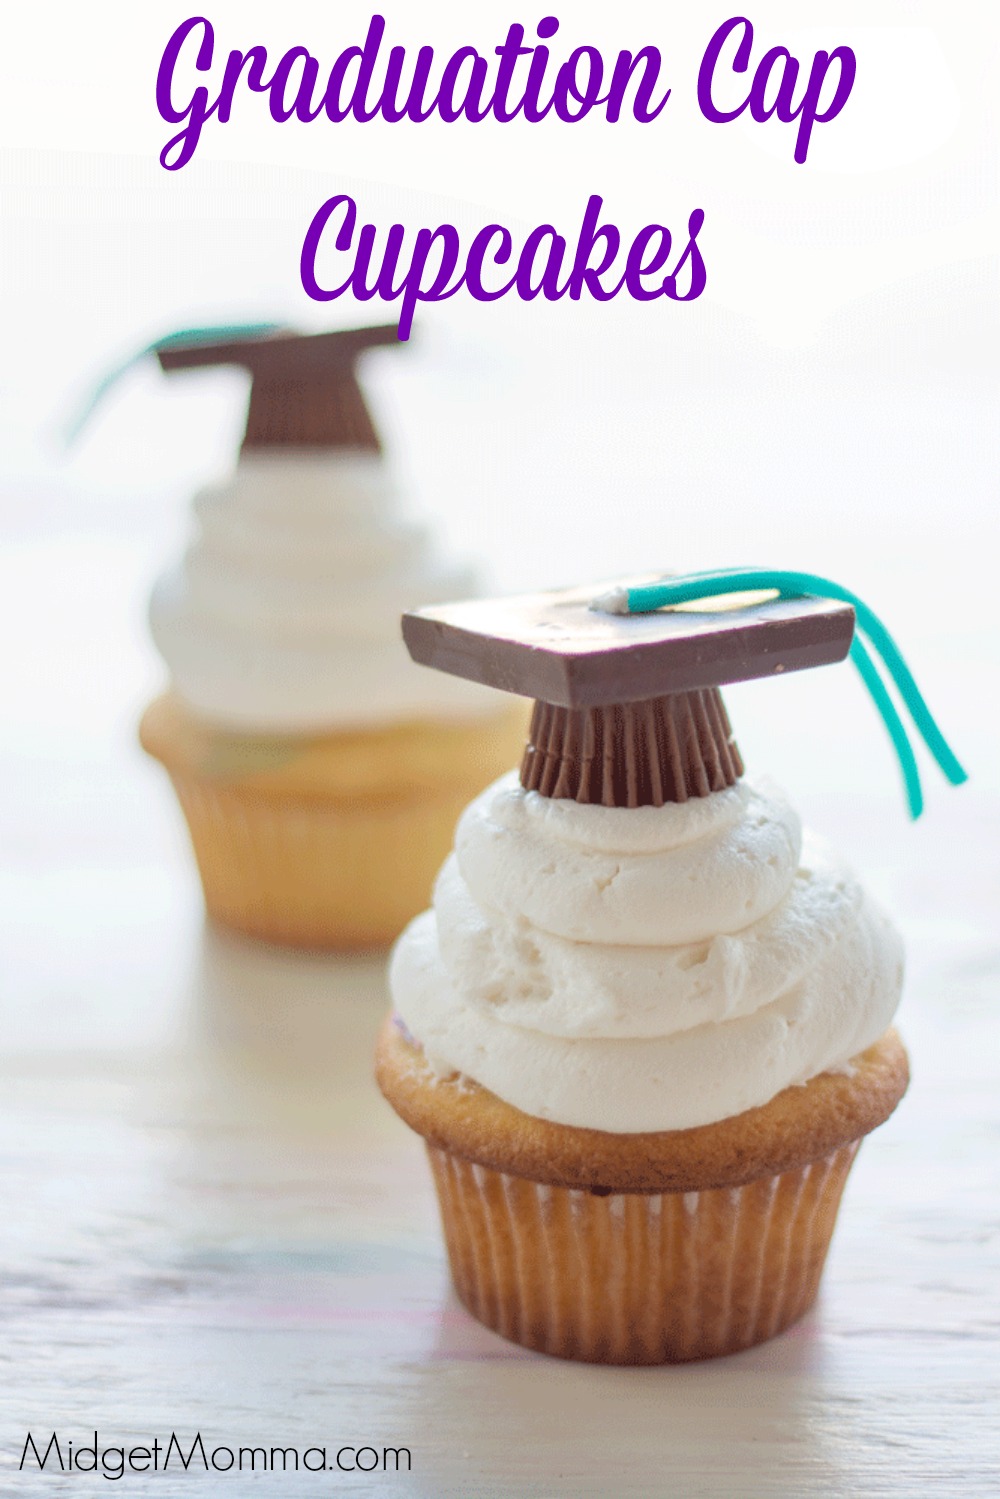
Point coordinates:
[(646, 1024), (320, 775)]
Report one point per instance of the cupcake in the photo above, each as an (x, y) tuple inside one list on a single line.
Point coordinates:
[(320, 776), (646, 1024)]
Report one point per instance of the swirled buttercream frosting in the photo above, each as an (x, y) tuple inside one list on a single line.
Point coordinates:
[(283, 615), (653, 968)]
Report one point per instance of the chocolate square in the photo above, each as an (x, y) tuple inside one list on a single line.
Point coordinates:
[(554, 647)]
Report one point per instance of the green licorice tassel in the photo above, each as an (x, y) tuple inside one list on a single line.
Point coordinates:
[(695, 586), (861, 657), (183, 338)]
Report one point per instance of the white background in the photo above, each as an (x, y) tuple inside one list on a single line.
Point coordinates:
[(828, 404)]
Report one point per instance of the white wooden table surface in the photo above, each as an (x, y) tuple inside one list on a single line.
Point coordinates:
[(211, 1222)]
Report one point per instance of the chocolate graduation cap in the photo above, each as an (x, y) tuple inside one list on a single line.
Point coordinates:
[(304, 389), (626, 682), (628, 711)]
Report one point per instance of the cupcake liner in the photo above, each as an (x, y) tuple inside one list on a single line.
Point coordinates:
[(328, 840), (631, 1278), (665, 749), (315, 874)]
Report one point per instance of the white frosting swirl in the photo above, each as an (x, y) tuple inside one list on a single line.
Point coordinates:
[(283, 615), (649, 969)]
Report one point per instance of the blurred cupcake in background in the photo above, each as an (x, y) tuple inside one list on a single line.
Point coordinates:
[(321, 775)]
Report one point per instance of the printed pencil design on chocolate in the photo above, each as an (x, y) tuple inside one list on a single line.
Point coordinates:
[(647, 1021)]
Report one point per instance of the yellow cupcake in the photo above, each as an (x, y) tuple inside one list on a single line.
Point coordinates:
[(639, 1248), (320, 773), (642, 1045), (648, 1021), (326, 841)]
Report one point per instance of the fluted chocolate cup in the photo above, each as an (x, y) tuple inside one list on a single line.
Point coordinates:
[(643, 754)]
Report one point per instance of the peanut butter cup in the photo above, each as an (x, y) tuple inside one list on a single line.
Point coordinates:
[(627, 711)]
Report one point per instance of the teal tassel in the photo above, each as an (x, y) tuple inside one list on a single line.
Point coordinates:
[(182, 339), (694, 586)]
